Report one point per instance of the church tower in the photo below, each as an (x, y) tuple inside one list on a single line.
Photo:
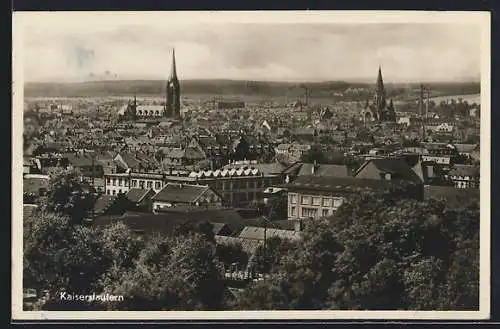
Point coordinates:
[(173, 99), (380, 101), (379, 110)]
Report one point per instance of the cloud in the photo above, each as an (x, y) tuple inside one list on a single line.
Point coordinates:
[(254, 51)]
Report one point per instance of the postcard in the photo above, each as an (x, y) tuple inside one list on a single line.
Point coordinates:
[(267, 165)]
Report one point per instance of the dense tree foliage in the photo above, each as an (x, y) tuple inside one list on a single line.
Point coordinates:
[(171, 274), (66, 196), (229, 254), (380, 250), (377, 252), (60, 255)]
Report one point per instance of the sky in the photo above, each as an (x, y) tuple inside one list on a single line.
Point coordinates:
[(408, 52)]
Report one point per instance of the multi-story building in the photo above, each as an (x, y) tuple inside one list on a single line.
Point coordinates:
[(173, 194), (122, 182), (440, 154), (320, 196), (464, 176), (240, 184), (116, 183), (311, 200)]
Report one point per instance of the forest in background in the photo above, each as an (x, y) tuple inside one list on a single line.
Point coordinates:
[(332, 89)]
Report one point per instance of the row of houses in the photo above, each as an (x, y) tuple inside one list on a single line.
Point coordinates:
[(238, 183)]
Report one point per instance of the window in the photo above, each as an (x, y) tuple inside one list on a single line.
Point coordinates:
[(293, 198), (108, 192), (120, 182), (134, 183), (327, 202), (141, 184), (157, 185), (120, 191), (114, 192), (149, 184), (108, 181), (293, 212), (337, 202), (316, 201), (309, 212), (114, 182), (324, 212), (304, 200)]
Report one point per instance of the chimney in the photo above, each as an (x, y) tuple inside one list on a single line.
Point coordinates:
[(314, 167), (430, 171)]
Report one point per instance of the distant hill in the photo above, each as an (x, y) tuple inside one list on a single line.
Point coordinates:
[(327, 89)]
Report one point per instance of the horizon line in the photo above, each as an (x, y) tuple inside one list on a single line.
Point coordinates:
[(354, 80)]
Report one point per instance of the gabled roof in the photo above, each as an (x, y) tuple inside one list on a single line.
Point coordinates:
[(166, 221), (218, 227), (257, 233), (324, 170), (397, 167), (184, 193), (337, 184), (265, 168), (465, 148), (464, 170), (293, 169), (129, 160), (136, 195)]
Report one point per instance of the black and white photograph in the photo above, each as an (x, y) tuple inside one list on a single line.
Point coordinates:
[(304, 165)]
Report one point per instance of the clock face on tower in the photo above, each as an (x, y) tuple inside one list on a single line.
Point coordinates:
[(171, 84)]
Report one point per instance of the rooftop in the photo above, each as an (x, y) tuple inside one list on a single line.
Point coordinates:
[(136, 194), (464, 170), (183, 193), (337, 184), (324, 170)]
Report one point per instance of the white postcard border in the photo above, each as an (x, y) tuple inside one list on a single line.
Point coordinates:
[(20, 20)]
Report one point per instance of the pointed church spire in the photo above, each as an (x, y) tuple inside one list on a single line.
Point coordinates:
[(380, 101), (380, 81), (173, 70)]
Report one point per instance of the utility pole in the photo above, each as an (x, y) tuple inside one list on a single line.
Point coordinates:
[(93, 182), (307, 94), (421, 105), (428, 90), (265, 232), (265, 236)]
